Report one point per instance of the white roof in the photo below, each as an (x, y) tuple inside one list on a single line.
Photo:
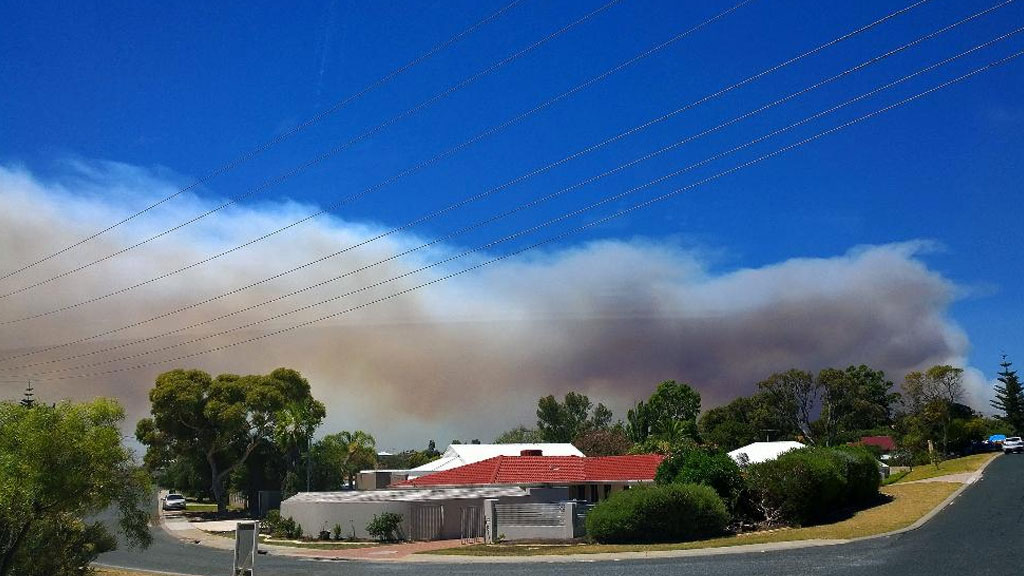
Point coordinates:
[(461, 454), (762, 451), (406, 495)]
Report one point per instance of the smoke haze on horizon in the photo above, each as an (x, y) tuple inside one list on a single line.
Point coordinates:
[(465, 358)]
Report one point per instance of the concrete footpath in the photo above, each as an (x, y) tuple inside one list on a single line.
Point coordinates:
[(407, 552)]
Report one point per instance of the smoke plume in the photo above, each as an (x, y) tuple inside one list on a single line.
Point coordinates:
[(465, 358)]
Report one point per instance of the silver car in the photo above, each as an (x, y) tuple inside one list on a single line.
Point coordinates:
[(1013, 444), (173, 502)]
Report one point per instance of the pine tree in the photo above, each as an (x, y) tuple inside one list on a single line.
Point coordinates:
[(1009, 397), (29, 400)]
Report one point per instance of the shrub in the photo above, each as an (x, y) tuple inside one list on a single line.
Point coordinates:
[(669, 513), (385, 527), (271, 522), (702, 466), (279, 527), (804, 486), (862, 475)]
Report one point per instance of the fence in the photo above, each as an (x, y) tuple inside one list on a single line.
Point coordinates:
[(426, 523), (531, 521), (471, 524)]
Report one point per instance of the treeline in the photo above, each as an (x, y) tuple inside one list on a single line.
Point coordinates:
[(830, 408)]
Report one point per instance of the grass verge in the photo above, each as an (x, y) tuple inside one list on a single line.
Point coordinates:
[(954, 466), (905, 505)]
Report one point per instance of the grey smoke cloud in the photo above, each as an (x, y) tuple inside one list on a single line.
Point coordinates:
[(465, 358)]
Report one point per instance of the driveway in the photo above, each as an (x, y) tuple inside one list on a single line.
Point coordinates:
[(980, 533)]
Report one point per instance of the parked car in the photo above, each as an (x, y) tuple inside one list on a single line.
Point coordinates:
[(174, 502), (1013, 444)]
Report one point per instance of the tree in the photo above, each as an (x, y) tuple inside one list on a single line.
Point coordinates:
[(931, 399), (356, 450), (563, 421), (852, 400), (519, 435), (1009, 397), (638, 423), (609, 442), (296, 422), (224, 418), (58, 466), (791, 397), (733, 425), (673, 409), (29, 398)]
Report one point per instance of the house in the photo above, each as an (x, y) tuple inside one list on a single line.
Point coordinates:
[(762, 451), (459, 455), (586, 479), (429, 514), (885, 443), (529, 496)]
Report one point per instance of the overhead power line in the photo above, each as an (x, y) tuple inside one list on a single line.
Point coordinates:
[(562, 235), (518, 180), (578, 185), (532, 229), (324, 155), (267, 145)]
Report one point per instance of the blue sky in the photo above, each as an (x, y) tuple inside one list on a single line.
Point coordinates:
[(182, 89)]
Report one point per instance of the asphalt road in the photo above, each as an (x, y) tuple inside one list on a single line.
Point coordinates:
[(980, 533)]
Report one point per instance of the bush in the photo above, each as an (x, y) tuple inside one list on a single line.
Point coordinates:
[(862, 475), (669, 513), (385, 527), (279, 527), (804, 486), (271, 522), (702, 466)]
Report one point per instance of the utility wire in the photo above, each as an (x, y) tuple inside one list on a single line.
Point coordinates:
[(562, 235), (266, 184), (552, 221), (585, 182), (522, 178), (315, 119), (433, 160)]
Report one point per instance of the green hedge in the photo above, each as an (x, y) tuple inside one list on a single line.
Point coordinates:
[(804, 486), (702, 466), (670, 513)]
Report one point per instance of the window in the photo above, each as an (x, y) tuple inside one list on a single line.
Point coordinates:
[(593, 493)]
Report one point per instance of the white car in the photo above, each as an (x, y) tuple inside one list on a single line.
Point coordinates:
[(1013, 444), (174, 502)]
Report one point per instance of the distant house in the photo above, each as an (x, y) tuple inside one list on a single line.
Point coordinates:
[(762, 451), (587, 479), (459, 455), (885, 443)]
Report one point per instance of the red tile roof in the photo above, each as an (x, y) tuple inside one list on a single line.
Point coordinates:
[(886, 443), (519, 470)]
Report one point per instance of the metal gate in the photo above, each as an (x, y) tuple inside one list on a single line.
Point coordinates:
[(426, 523), (471, 526)]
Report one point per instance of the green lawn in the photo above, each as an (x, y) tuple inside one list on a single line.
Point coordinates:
[(954, 466), (905, 505)]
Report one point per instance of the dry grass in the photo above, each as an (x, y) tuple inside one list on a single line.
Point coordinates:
[(954, 466), (905, 505)]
